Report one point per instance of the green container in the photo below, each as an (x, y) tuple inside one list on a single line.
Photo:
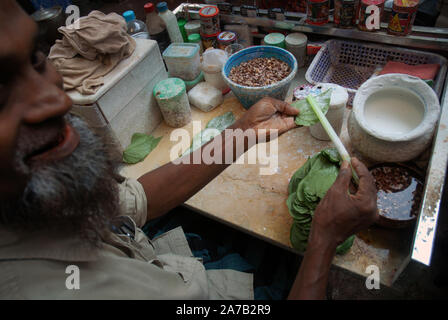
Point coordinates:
[(196, 38), (275, 39), (181, 23), (173, 102)]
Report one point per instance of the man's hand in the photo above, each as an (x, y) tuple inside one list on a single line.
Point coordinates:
[(269, 113), (340, 214)]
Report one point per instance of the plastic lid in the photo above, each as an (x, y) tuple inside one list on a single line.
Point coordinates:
[(149, 7), (370, 2), (169, 88), (227, 36), (274, 39), (162, 6), (193, 24), (181, 50), (194, 37), (129, 15), (46, 14), (209, 36), (209, 11), (296, 39)]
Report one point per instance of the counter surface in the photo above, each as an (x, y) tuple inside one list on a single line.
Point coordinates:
[(256, 204)]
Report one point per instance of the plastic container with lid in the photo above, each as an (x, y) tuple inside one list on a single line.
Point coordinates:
[(275, 39), (335, 114), (173, 102), (135, 27), (209, 20), (212, 62), (296, 44), (196, 38), (226, 38), (363, 4), (156, 27), (182, 60), (192, 26), (171, 22)]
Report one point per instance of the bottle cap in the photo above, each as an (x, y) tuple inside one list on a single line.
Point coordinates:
[(194, 37), (129, 15), (162, 6), (149, 7), (275, 39), (296, 39), (169, 88), (181, 22)]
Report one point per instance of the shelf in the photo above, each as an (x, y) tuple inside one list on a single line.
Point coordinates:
[(435, 39)]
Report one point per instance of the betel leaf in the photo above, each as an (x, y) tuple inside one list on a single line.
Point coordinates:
[(307, 117), (141, 145), (214, 127), (306, 189)]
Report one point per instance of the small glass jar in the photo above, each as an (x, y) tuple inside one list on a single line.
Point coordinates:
[(345, 13), (226, 38), (317, 12)]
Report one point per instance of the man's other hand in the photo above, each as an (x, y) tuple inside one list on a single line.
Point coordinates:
[(269, 113), (341, 214)]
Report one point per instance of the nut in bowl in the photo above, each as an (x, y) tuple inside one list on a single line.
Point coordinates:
[(271, 57), (399, 191)]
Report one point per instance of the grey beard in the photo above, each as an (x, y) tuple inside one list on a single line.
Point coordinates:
[(78, 194)]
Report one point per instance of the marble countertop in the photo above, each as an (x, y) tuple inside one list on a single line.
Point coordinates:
[(256, 204)]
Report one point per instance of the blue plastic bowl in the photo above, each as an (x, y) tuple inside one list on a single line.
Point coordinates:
[(250, 95)]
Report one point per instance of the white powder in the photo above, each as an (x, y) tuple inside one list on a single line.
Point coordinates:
[(394, 111)]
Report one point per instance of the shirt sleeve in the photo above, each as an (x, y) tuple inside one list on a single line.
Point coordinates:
[(133, 202)]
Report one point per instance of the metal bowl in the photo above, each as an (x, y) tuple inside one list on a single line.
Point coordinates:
[(399, 191)]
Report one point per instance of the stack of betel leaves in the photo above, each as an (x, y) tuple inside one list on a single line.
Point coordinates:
[(307, 187)]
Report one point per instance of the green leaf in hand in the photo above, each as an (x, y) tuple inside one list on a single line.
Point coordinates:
[(307, 117), (141, 145)]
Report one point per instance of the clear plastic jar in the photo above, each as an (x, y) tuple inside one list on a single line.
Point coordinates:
[(212, 62)]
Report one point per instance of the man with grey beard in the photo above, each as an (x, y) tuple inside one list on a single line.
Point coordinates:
[(70, 225)]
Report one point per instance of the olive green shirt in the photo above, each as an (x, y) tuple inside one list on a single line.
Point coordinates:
[(40, 265)]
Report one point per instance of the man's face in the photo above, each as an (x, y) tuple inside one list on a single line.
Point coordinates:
[(54, 171), (32, 104)]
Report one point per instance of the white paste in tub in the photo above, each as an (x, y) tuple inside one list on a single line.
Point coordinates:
[(394, 111)]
